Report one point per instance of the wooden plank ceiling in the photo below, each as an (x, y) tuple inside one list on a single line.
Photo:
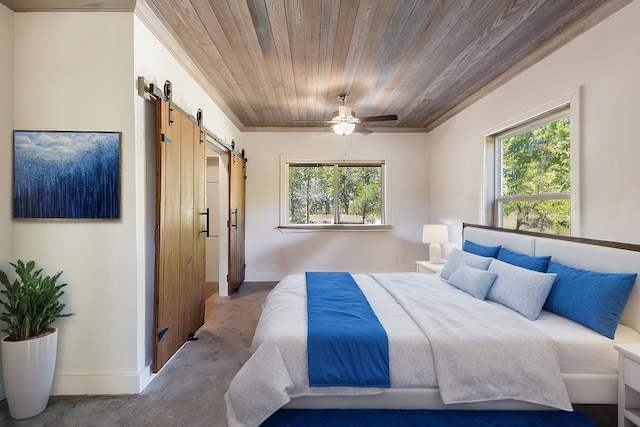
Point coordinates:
[(274, 64)]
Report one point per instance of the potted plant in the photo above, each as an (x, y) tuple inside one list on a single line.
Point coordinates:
[(31, 304)]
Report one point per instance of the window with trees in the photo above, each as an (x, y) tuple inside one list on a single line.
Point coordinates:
[(533, 175), (348, 193)]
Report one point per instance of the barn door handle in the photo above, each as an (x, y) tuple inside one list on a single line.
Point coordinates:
[(234, 218), (206, 230)]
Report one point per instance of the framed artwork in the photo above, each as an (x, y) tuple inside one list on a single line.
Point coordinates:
[(66, 175)]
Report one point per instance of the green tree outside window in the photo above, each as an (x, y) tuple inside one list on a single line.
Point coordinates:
[(313, 190), (536, 179)]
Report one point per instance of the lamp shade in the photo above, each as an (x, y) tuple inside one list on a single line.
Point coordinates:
[(344, 128), (435, 233)]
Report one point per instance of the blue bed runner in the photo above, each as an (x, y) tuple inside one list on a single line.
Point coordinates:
[(346, 344)]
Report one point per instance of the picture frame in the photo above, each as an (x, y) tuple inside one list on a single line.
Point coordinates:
[(72, 175)]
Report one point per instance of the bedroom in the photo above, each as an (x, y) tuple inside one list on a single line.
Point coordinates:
[(90, 85)]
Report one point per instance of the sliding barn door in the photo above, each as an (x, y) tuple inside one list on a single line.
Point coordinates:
[(180, 243), (237, 176)]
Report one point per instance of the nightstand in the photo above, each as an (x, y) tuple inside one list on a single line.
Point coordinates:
[(429, 268), (628, 384)]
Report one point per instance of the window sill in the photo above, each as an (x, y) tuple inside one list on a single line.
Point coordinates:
[(306, 228)]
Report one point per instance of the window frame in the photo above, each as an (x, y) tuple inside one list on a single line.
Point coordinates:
[(566, 105), (284, 195)]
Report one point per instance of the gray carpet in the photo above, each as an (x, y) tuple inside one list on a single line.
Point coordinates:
[(189, 390)]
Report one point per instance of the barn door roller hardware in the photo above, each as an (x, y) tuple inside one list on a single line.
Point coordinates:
[(199, 121), (167, 97), (147, 87)]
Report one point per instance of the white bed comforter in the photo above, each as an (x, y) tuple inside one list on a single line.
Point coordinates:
[(474, 351), (481, 354)]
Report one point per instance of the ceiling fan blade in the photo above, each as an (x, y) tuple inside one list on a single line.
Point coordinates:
[(323, 131), (361, 129), (312, 121), (378, 118)]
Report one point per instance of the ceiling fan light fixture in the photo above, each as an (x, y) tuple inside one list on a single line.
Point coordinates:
[(344, 128)]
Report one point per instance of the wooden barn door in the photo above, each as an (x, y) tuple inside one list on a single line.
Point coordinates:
[(237, 176), (180, 243)]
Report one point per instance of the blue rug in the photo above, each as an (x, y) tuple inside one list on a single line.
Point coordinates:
[(420, 418)]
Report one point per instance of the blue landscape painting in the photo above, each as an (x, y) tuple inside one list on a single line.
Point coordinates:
[(60, 175)]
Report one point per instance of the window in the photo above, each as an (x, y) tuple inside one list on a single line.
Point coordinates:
[(532, 169), (533, 175), (334, 193)]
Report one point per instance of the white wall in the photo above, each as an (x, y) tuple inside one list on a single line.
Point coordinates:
[(73, 72), (6, 144), (605, 64), (355, 251)]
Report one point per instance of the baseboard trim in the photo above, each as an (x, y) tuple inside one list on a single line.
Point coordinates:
[(78, 384)]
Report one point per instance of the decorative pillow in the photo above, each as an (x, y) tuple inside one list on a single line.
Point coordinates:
[(595, 300), (473, 281), (474, 248), (535, 263), (458, 257), (520, 289)]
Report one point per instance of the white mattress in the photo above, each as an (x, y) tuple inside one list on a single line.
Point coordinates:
[(581, 350)]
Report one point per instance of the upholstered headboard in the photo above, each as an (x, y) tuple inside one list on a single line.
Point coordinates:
[(587, 254)]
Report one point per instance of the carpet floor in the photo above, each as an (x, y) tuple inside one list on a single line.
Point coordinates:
[(189, 390)]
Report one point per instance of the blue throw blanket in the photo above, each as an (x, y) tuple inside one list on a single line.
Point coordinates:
[(346, 344)]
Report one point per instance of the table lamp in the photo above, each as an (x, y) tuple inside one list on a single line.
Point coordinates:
[(434, 234)]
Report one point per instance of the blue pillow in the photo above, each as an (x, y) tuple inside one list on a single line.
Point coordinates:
[(535, 263), (473, 281), (474, 248), (595, 300), (520, 289), (458, 258)]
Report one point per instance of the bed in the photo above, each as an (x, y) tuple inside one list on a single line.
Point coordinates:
[(500, 351)]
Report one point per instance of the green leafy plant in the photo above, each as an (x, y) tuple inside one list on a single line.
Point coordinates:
[(31, 303)]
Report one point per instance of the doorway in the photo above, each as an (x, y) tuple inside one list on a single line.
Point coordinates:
[(217, 200), (225, 194), (213, 239)]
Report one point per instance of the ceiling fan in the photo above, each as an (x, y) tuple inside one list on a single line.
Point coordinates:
[(344, 121)]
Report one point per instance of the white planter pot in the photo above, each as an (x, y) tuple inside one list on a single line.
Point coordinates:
[(28, 368)]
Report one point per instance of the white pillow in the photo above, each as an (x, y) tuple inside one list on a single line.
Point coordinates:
[(458, 258), (520, 289), (472, 280)]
